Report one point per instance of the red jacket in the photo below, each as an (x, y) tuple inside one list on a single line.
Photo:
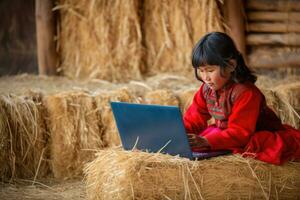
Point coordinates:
[(243, 123)]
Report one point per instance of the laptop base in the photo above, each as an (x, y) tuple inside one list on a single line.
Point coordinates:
[(205, 155)]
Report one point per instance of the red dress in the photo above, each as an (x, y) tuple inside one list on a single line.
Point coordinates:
[(243, 123)]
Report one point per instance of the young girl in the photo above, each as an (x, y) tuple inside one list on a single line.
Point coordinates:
[(243, 122)]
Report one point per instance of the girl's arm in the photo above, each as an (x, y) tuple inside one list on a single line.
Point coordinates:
[(241, 123), (196, 116)]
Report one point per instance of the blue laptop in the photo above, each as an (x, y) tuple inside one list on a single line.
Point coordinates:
[(155, 128)]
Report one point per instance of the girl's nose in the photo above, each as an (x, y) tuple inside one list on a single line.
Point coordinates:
[(206, 77)]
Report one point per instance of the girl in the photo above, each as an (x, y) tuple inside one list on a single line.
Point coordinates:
[(243, 122)]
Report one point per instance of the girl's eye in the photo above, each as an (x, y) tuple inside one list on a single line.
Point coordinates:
[(205, 70)]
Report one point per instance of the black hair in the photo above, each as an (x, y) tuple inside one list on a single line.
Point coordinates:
[(218, 48)]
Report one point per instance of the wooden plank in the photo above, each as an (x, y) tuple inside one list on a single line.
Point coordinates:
[(234, 15), (45, 29), (291, 39), (281, 5), (274, 60), (273, 16), (278, 27), (17, 37)]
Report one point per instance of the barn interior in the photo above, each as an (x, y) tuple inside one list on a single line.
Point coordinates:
[(63, 61)]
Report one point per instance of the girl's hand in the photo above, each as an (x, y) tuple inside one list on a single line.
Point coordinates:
[(198, 142)]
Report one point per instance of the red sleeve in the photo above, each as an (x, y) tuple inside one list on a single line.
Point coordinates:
[(196, 116), (241, 122)]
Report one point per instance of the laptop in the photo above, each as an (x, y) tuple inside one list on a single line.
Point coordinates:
[(155, 128)]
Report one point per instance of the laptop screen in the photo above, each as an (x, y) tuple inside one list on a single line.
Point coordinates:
[(151, 128)]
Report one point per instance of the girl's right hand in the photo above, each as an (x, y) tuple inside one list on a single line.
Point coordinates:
[(198, 142)]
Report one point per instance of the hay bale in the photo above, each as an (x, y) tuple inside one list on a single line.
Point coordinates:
[(100, 39), (291, 93), (103, 99), (5, 170), (161, 97), (75, 132), (23, 137), (288, 105), (139, 88), (186, 98), (265, 82), (169, 81), (284, 101), (270, 81), (49, 84), (171, 28), (116, 174)]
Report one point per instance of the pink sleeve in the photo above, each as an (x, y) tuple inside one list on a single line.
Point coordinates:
[(196, 116), (241, 123)]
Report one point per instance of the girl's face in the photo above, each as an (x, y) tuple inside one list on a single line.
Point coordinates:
[(211, 75)]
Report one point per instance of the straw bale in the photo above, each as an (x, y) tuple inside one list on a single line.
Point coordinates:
[(100, 39), (161, 97), (139, 88), (169, 81), (283, 99), (4, 143), (171, 28), (116, 174), (103, 99), (265, 82), (186, 98), (160, 81), (75, 132), (270, 81), (23, 137), (22, 83), (289, 103), (281, 106)]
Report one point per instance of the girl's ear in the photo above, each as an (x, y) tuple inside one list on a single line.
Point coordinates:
[(232, 65)]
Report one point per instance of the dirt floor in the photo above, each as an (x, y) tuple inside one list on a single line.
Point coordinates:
[(46, 190)]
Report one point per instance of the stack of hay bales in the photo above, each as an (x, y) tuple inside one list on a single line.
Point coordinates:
[(58, 132), (23, 136), (66, 126), (119, 41), (116, 174), (100, 39)]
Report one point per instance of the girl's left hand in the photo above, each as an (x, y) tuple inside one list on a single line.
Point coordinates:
[(198, 141)]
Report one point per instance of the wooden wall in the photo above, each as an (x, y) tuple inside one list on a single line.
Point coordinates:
[(273, 33), (17, 37)]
